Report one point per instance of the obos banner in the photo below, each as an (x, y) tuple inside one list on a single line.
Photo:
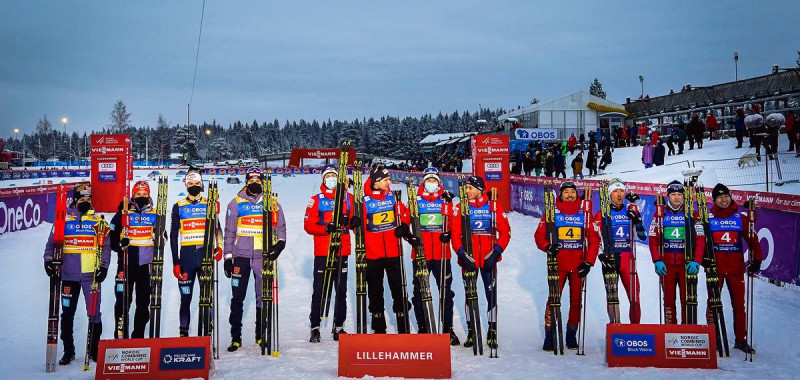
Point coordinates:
[(662, 346)]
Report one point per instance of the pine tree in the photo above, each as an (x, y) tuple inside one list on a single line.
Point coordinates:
[(596, 89), (43, 125), (120, 117)]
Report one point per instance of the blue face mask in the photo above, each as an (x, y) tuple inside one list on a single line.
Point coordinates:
[(331, 182), (431, 187)]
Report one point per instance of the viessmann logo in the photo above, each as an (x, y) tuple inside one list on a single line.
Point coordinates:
[(106, 150), (687, 346), (127, 360), (491, 150)]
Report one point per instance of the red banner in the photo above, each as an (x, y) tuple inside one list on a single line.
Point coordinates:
[(400, 355), (324, 154), (661, 346), (491, 160), (112, 170), (162, 358)]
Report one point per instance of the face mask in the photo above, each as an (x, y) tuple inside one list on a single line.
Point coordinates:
[(141, 202), (194, 190), (254, 188), (431, 187), (84, 207), (330, 182)]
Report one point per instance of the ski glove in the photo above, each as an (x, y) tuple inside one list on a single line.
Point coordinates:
[(218, 254), (124, 242), (402, 230), (49, 268), (100, 275), (228, 267), (413, 240), (706, 262), (178, 273), (330, 228), (754, 266), (466, 262), (584, 269), (491, 259), (661, 268), (608, 265), (355, 222), (276, 250), (634, 215), (552, 249), (692, 267), (447, 196), (445, 237)]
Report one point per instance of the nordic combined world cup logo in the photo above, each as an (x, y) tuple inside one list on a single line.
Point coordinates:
[(619, 342)]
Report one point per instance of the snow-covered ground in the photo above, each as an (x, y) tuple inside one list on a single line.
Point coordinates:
[(522, 295)]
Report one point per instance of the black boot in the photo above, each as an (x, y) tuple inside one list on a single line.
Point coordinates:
[(69, 343), (235, 344), (470, 338), (491, 335), (402, 323), (572, 340), (97, 330), (183, 333), (548, 339), (422, 329), (453, 337), (258, 323), (338, 330), (69, 356), (745, 347), (378, 323), (314, 335)]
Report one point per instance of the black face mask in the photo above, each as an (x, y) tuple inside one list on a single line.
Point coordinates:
[(194, 190), (254, 188), (84, 207), (141, 202)]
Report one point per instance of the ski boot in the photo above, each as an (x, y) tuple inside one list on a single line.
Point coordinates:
[(338, 330), (69, 356), (402, 324), (97, 330), (572, 341), (314, 335), (744, 347), (378, 323), (183, 333), (491, 335), (470, 338), (453, 337), (422, 329), (548, 339), (235, 344)]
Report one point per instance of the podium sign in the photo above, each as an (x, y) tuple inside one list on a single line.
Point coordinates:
[(400, 355)]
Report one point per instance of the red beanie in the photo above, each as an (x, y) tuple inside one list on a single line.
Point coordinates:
[(140, 186)]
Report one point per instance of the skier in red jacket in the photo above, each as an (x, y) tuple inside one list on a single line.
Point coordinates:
[(487, 250), (672, 266), (318, 223), (570, 227), (728, 231)]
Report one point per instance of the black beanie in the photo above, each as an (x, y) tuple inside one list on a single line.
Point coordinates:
[(674, 187), (720, 189), (476, 182), (81, 191), (378, 173), (567, 185)]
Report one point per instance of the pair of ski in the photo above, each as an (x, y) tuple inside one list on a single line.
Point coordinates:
[(157, 266), (269, 322), (208, 276), (334, 259), (554, 290)]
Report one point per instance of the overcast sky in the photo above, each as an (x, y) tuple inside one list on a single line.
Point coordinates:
[(351, 59)]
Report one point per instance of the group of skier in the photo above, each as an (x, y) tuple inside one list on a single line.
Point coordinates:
[(476, 230)]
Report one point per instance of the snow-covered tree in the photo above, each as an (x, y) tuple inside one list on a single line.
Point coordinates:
[(596, 89), (120, 117)]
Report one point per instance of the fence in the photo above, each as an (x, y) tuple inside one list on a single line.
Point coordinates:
[(770, 170)]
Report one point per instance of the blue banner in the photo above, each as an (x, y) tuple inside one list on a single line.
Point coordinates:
[(633, 345)]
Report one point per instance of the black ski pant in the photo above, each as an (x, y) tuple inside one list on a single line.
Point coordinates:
[(70, 293), (488, 277), (340, 283), (138, 279), (240, 278), (375, 270), (435, 267), (739, 137), (190, 259)]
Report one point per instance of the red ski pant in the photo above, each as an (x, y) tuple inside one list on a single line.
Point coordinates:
[(735, 282), (574, 298), (676, 276)]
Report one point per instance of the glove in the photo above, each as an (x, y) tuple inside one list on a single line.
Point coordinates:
[(466, 262), (413, 240), (100, 275), (661, 268), (330, 228), (634, 215), (178, 273), (124, 242), (228, 267), (447, 196), (49, 268), (491, 259), (754, 266), (276, 250), (552, 249), (445, 237), (218, 254), (344, 220), (355, 222), (402, 230), (706, 262), (584, 269), (692, 267), (608, 265)]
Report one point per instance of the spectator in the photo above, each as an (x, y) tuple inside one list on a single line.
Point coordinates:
[(654, 137), (643, 131), (605, 160), (582, 139), (695, 132), (738, 125), (796, 129), (790, 131), (624, 137), (577, 166), (527, 163), (670, 144), (680, 135), (592, 138), (564, 148), (548, 164), (560, 163), (573, 141), (647, 154), (658, 154), (713, 125), (591, 161), (538, 163)]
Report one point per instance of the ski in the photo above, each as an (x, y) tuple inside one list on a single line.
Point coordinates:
[(206, 323), (688, 249), (749, 301), (403, 281), (157, 268), (712, 277), (633, 296), (610, 278), (361, 251), (268, 321), (335, 242), (55, 280), (470, 277), (121, 280), (552, 272), (447, 210), (420, 262), (101, 230), (658, 220), (587, 210), (493, 313)]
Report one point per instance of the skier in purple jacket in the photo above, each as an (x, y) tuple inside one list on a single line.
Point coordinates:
[(243, 243), (79, 268)]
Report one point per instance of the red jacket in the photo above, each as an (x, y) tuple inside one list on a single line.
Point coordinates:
[(643, 130), (481, 244), (711, 123), (569, 259), (789, 123), (572, 141), (430, 240), (733, 262), (381, 244), (315, 226), (654, 138), (677, 258)]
